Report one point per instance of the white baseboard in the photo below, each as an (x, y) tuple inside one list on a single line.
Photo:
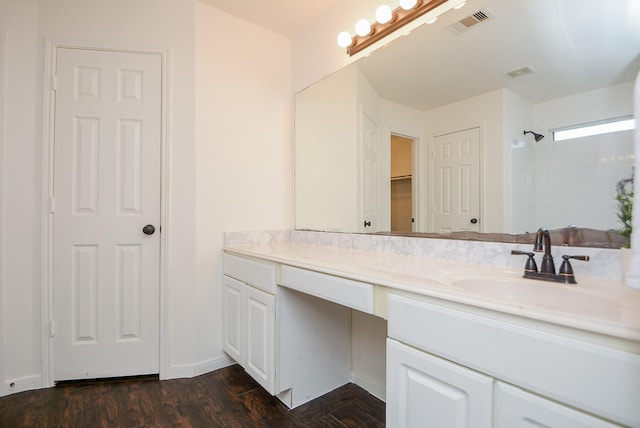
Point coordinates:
[(12, 386), (374, 388), (177, 371)]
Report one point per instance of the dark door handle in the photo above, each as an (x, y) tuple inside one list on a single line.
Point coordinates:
[(148, 229), (367, 223), (474, 220)]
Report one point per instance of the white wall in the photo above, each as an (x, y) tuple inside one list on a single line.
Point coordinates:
[(243, 149), (20, 185), (326, 154), (229, 165), (519, 185)]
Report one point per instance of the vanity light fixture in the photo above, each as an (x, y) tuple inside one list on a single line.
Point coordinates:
[(363, 28), (384, 14), (344, 39), (536, 136), (387, 21), (408, 4)]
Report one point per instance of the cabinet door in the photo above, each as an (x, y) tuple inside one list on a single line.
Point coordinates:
[(260, 331), (517, 408), (427, 391), (233, 319)]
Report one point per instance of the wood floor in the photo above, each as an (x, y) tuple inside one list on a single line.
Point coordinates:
[(224, 398)]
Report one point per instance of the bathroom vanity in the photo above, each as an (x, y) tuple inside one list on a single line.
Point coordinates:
[(465, 344)]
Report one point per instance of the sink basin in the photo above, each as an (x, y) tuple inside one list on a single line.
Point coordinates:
[(536, 294)]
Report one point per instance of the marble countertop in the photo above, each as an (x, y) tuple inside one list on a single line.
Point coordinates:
[(594, 305)]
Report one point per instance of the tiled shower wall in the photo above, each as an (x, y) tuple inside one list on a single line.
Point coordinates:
[(572, 182)]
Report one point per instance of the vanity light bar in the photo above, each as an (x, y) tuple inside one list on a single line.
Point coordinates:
[(367, 34)]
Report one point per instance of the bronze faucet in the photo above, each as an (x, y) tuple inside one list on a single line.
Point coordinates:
[(543, 236), (547, 268)]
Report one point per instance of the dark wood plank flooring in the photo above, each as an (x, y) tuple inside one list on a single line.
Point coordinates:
[(224, 398)]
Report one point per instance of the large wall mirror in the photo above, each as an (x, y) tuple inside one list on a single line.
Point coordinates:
[(431, 126)]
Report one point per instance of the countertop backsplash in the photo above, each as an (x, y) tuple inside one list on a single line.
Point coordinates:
[(604, 263)]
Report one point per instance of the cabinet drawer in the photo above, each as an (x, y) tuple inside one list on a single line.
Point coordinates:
[(600, 380), (354, 294), (518, 408), (257, 274)]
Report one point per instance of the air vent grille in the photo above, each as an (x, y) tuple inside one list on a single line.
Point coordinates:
[(480, 15), (520, 71), (475, 18)]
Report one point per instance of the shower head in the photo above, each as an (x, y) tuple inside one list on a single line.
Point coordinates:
[(536, 136)]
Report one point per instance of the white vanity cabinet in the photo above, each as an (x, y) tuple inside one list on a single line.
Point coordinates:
[(558, 381), (303, 329), (292, 338), (427, 391), (248, 314)]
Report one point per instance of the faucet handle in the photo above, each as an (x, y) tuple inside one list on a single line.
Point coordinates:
[(530, 265), (565, 267)]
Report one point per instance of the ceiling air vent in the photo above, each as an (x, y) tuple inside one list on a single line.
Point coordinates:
[(475, 18), (520, 71)]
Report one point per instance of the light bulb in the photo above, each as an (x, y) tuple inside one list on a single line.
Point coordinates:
[(384, 14), (363, 28), (408, 4), (344, 39)]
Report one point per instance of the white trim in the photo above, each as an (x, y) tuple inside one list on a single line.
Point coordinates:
[(46, 229), (369, 384), (47, 186), (165, 198), (21, 384), (3, 48), (191, 370), (633, 276)]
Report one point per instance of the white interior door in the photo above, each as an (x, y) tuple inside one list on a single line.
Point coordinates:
[(369, 176), (456, 182), (106, 189)]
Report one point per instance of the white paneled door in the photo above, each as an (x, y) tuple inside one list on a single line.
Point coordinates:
[(106, 205), (369, 176), (456, 182)]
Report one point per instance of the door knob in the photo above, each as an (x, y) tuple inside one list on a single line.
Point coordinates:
[(473, 220), (148, 229), (367, 223)]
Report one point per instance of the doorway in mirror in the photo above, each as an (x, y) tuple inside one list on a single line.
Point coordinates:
[(402, 200)]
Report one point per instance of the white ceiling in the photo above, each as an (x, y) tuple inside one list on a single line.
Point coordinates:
[(286, 17), (573, 46)]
